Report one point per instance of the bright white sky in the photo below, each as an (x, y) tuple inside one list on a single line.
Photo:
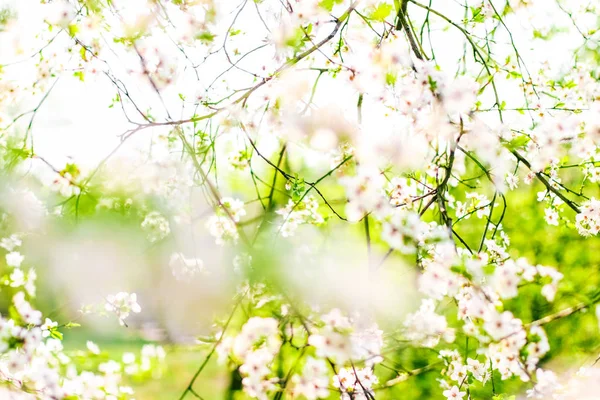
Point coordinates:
[(76, 123)]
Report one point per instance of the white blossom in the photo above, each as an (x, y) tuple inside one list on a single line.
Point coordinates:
[(122, 304)]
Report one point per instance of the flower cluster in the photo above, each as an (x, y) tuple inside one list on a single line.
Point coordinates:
[(420, 144), (156, 226), (256, 346), (296, 214), (122, 304)]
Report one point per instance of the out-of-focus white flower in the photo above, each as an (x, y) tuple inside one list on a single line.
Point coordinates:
[(156, 226), (546, 386), (28, 313), (14, 259), (122, 304), (222, 228), (426, 327), (314, 381), (10, 243), (92, 347), (185, 268), (60, 13), (460, 95)]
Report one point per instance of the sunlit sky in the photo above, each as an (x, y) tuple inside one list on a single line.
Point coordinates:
[(76, 123)]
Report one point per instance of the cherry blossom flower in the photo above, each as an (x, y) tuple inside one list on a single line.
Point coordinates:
[(14, 259), (454, 393), (122, 304)]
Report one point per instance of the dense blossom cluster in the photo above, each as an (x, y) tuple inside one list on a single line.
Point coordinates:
[(271, 132), (34, 362)]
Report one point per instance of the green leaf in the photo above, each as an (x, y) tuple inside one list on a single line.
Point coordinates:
[(205, 37), (381, 12), (297, 40), (298, 189), (503, 397), (518, 143), (390, 78), (515, 74), (73, 29), (79, 74), (56, 334), (432, 84), (82, 53), (14, 314), (477, 14), (71, 169), (328, 4), (308, 29)]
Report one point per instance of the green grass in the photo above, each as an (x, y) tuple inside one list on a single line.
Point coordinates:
[(180, 365)]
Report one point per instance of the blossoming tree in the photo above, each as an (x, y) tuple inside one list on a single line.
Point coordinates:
[(362, 169)]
